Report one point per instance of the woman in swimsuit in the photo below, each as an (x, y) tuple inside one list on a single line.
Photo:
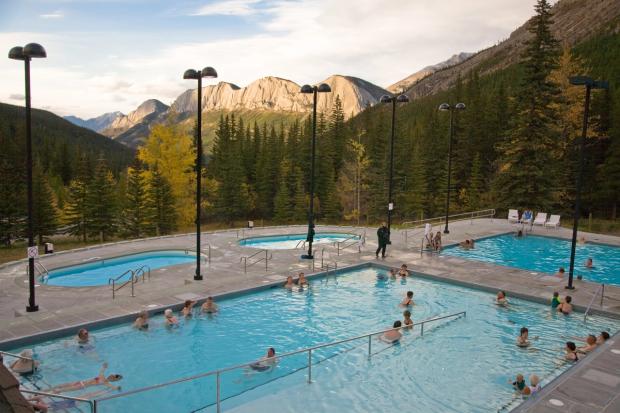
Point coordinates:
[(566, 307), (100, 380), (142, 322), (571, 351), (403, 271)]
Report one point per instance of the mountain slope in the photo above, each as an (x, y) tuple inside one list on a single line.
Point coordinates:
[(97, 124), (574, 21), (150, 108)]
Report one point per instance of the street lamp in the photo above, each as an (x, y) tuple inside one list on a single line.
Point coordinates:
[(30, 51), (207, 72), (590, 84), (393, 100), (447, 107), (315, 90)]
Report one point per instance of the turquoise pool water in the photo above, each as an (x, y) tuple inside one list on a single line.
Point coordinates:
[(546, 255), (292, 241), (457, 366), (98, 272)]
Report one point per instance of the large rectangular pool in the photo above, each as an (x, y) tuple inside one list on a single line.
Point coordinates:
[(546, 255), (461, 365)]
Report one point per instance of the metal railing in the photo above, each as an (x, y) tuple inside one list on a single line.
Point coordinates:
[(349, 242), (19, 356), (301, 242), (43, 272), (266, 258), (600, 288), (134, 277), (413, 225), (92, 403), (308, 350)]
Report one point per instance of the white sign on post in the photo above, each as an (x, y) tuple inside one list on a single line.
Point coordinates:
[(33, 252), (391, 206)]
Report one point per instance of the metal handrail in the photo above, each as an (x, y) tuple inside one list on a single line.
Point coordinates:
[(142, 273), (600, 288), (308, 350), (302, 242), (6, 353), (266, 258), (91, 403), (483, 213), (208, 252)]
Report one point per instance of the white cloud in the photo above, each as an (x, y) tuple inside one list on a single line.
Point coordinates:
[(228, 8), (53, 15)]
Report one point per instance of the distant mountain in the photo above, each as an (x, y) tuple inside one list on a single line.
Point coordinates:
[(573, 22), (97, 124), (271, 98), (147, 110), (410, 80)]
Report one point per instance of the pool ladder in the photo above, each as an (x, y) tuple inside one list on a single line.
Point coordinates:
[(43, 272), (142, 272)]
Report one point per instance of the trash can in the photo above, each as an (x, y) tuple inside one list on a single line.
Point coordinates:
[(49, 248), (250, 224)]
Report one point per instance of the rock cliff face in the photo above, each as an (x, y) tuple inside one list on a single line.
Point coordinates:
[(97, 124), (280, 95), (151, 107), (573, 22)]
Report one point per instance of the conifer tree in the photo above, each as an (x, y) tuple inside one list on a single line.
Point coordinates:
[(300, 197), (102, 202), (527, 169), (283, 205), (475, 186), (77, 211), (134, 215), (45, 213), (12, 189), (160, 203)]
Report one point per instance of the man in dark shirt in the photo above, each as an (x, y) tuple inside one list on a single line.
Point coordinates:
[(383, 236)]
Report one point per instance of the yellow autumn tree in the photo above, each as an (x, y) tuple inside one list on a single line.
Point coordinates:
[(171, 149)]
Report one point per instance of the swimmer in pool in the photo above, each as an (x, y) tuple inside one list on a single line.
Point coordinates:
[(289, 283), (393, 273), (83, 337), (266, 362), (100, 380), (555, 301), (560, 273), (407, 319), (171, 320), (589, 263), (142, 322), (566, 307), (523, 339), (209, 306), (501, 299), (24, 365), (408, 300), (519, 383), (590, 345), (571, 352), (301, 281), (403, 272), (188, 308), (534, 386), (392, 336)]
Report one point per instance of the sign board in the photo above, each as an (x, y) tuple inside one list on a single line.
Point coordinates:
[(391, 206), (33, 252)]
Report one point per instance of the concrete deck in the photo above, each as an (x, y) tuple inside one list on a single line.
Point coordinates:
[(63, 309)]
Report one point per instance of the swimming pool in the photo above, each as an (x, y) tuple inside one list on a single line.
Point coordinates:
[(98, 272), (292, 241), (460, 366), (545, 254)]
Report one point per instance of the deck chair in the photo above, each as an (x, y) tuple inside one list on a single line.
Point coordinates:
[(513, 216), (541, 218), (554, 221)]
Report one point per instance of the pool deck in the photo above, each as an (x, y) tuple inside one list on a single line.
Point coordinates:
[(63, 309)]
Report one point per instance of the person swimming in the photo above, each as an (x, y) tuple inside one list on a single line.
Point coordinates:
[(289, 283), (408, 300), (566, 307), (209, 306), (407, 319), (501, 299), (589, 263), (523, 339), (83, 337), (467, 244), (100, 380), (171, 320), (519, 383), (266, 362), (393, 335), (571, 351), (142, 322)]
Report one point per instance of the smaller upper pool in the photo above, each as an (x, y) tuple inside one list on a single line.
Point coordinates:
[(292, 241), (98, 272), (546, 255)]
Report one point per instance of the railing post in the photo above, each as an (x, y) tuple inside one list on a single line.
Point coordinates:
[(369, 346), (422, 329), (132, 280), (94, 406), (309, 366), (602, 294), (217, 392), (113, 290), (266, 262)]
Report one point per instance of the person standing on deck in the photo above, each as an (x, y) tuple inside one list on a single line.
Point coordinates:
[(383, 238)]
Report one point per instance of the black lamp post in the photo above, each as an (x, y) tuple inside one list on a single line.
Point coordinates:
[(590, 84), (315, 90), (393, 100), (207, 72), (30, 51), (447, 107)]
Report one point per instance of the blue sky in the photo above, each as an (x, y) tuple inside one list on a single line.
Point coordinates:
[(106, 55)]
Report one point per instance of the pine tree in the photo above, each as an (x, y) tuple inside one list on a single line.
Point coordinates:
[(76, 211), (13, 211), (283, 205), (527, 171), (475, 187), (160, 203), (45, 213), (300, 197), (134, 212), (102, 202)]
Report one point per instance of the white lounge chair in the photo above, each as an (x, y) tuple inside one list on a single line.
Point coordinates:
[(554, 221), (541, 218), (513, 216)]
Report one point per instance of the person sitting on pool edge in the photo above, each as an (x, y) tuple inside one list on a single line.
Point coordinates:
[(100, 380), (523, 339), (142, 322), (25, 365), (266, 362), (289, 283), (209, 306), (566, 307), (501, 299), (555, 301), (393, 335), (408, 300), (407, 318), (171, 320)]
